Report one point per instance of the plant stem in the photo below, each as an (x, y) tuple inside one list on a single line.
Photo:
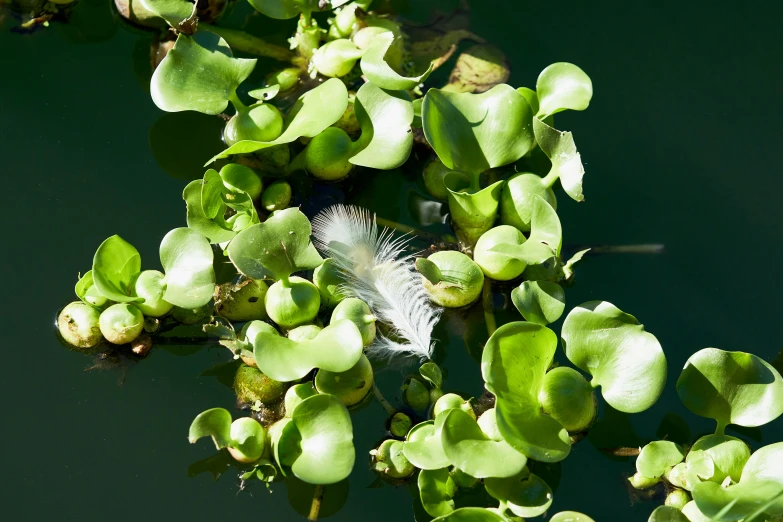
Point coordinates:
[(246, 43), (386, 406), (236, 102), (720, 429), (550, 178), (489, 311), (315, 507)]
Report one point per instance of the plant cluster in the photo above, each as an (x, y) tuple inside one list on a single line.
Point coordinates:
[(312, 307)]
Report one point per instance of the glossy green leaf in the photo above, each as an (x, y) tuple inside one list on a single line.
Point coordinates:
[(658, 457), (315, 110), (198, 74), (187, 259), (437, 490), (612, 346), (471, 514), (562, 86), (472, 451), (211, 190), (761, 482), (514, 362), (380, 73), (423, 447), (432, 372), (173, 11), (546, 236), (526, 495), (475, 132), (429, 270), (568, 267), (531, 97), (336, 348), (115, 267), (318, 441), (541, 302), (248, 436), (561, 151), (280, 245), (472, 213), (283, 9), (698, 466), (570, 516), (385, 118), (86, 290), (667, 514), (265, 93), (215, 423), (216, 230), (731, 387)]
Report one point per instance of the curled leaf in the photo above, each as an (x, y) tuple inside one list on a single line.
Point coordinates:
[(187, 259), (385, 118), (380, 73)]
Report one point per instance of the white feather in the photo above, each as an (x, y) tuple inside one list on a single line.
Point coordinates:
[(380, 273)]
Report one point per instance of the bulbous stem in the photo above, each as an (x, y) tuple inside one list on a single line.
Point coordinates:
[(550, 178), (720, 429), (489, 311), (237, 103), (241, 41), (386, 406), (315, 507)]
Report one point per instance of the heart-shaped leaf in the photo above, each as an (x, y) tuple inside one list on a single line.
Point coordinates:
[(541, 302), (437, 490), (471, 514), (612, 346), (198, 74), (526, 495), (657, 457), (546, 236), (566, 161), (315, 110), (423, 447), (514, 362), (380, 73), (187, 259), (562, 86), (215, 423), (472, 451), (759, 488), (317, 443), (475, 132), (667, 514), (248, 436), (336, 348), (385, 118), (570, 516), (280, 245), (731, 387), (115, 267)]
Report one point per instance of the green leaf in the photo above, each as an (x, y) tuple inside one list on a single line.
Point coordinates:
[(531, 97), (380, 73), (514, 362), (526, 495), (667, 514), (318, 441), (471, 514), (248, 436), (187, 259), (561, 151), (423, 447), (173, 11), (437, 490), (265, 93), (215, 423), (657, 457), (612, 346), (216, 230), (562, 86), (731, 387), (546, 236), (431, 371), (385, 118), (86, 290), (336, 348), (198, 74), (315, 110), (570, 516), (212, 189), (568, 267), (475, 132), (761, 481), (472, 451), (429, 270), (283, 9), (539, 302), (472, 213), (280, 245), (115, 267)]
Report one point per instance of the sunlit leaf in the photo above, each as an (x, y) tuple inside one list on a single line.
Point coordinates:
[(215, 423), (561, 151), (731, 387), (539, 302), (612, 346), (380, 73), (216, 230), (385, 118), (526, 495), (198, 74), (667, 514), (423, 447), (173, 11), (432, 372), (658, 457), (471, 514), (437, 490), (115, 267), (187, 260), (562, 86), (570, 516)]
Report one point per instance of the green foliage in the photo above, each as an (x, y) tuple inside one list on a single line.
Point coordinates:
[(187, 259), (612, 346), (657, 457), (437, 490), (541, 302), (525, 495), (385, 118), (731, 387), (379, 72), (115, 267)]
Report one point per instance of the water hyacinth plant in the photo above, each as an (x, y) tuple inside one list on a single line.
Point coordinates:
[(312, 296)]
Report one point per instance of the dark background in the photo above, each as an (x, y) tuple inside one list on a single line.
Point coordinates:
[(681, 144)]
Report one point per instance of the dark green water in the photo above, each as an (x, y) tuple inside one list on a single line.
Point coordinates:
[(681, 146)]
